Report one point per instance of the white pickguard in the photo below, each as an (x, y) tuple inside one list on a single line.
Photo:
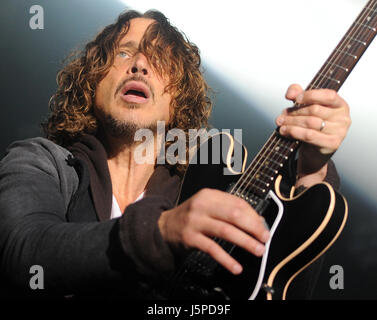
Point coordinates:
[(262, 270)]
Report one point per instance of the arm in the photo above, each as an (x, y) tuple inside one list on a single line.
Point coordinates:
[(76, 257), (314, 163), (212, 213)]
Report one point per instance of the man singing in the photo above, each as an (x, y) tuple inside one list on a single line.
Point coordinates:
[(98, 222)]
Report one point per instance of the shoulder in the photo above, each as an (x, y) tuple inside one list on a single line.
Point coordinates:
[(36, 157), (40, 152), (37, 145)]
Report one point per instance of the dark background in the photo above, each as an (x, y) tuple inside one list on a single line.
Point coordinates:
[(30, 60)]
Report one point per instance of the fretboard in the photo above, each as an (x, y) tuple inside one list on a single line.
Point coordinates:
[(259, 177), (347, 53)]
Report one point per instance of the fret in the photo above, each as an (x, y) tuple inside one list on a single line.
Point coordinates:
[(338, 66), (257, 188), (366, 26), (265, 167), (277, 148), (256, 185), (259, 176), (368, 18), (357, 40), (266, 176), (272, 170), (281, 146), (346, 53), (278, 154), (268, 160), (371, 9), (270, 154), (330, 78), (350, 47), (260, 181)]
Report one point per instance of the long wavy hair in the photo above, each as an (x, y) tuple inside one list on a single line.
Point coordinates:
[(168, 51)]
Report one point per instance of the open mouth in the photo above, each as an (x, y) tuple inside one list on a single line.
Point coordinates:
[(135, 92)]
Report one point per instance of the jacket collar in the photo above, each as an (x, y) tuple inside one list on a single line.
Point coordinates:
[(88, 148)]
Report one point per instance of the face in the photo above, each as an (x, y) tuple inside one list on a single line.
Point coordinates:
[(131, 94)]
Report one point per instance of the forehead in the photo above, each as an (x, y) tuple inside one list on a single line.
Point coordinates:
[(136, 30)]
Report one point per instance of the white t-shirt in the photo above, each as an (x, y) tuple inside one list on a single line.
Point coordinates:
[(115, 210)]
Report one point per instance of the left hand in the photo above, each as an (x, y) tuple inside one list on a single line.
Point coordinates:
[(321, 122)]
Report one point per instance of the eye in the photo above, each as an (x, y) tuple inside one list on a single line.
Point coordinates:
[(124, 54)]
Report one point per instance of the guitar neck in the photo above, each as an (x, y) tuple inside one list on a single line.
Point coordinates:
[(259, 177), (348, 52)]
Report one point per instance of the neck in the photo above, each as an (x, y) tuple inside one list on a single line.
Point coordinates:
[(128, 176)]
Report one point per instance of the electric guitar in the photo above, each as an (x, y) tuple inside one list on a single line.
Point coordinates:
[(302, 227)]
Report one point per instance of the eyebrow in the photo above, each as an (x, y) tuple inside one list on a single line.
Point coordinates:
[(129, 44)]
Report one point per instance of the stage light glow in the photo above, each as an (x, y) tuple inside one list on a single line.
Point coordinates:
[(259, 48)]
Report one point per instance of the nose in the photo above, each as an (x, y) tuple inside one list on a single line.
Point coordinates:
[(140, 65)]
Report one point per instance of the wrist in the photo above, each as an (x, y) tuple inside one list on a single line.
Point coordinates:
[(308, 179)]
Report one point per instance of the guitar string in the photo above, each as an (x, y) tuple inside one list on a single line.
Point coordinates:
[(361, 17), (259, 158), (321, 80), (222, 242), (335, 57), (353, 31), (272, 141), (277, 161), (264, 163), (326, 68), (205, 258), (339, 55), (328, 65)]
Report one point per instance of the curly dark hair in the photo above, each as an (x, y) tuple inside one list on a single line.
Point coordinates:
[(168, 51)]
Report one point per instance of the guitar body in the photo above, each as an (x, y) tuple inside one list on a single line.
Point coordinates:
[(302, 228)]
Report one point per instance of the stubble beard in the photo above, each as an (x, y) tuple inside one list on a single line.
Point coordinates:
[(124, 130)]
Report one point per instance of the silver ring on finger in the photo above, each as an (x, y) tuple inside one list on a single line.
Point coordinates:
[(323, 125)]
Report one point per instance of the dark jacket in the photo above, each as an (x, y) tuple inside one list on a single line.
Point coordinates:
[(55, 212), (55, 207)]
